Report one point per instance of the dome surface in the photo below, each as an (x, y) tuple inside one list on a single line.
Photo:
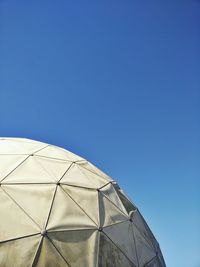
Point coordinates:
[(57, 209)]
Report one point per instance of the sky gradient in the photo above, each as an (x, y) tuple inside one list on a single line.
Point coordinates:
[(116, 82)]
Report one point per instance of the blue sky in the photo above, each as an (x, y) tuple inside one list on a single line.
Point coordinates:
[(116, 82)]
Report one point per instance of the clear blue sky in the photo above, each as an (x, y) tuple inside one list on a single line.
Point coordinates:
[(116, 82)]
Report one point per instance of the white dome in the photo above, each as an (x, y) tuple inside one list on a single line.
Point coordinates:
[(57, 209)]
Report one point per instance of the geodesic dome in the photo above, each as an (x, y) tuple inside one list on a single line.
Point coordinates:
[(57, 209)]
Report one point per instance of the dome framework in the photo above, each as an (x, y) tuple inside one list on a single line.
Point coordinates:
[(57, 209)]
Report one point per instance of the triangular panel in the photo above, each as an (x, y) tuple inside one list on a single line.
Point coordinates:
[(87, 199), (18, 253), (110, 255), (144, 251), (108, 212), (55, 168), (9, 163), (90, 167), (34, 199), (14, 222), (66, 214), (141, 225), (49, 256), (58, 153), (79, 176), (79, 248), (30, 171), (128, 205), (122, 235), (110, 193)]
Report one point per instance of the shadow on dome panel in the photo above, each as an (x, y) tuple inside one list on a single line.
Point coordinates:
[(145, 251), (121, 235), (141, 225), (110, 255), (155, 262), (78, 247)]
